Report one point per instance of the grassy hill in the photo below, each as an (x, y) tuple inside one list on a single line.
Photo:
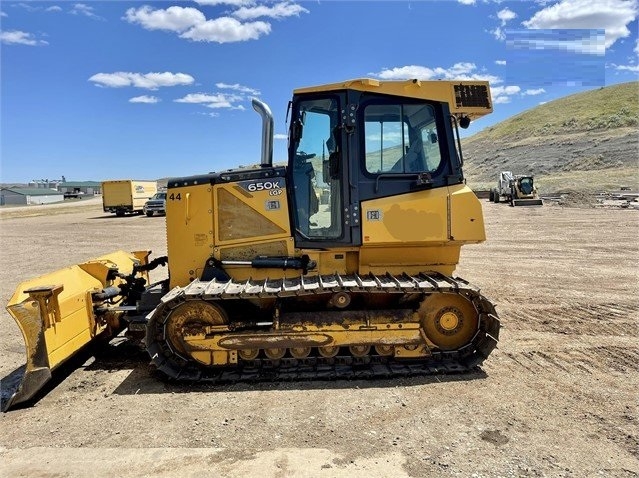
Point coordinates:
[(586, 142)]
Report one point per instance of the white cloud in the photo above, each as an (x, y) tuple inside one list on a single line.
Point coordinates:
[(213, 101), (506, 15), (463, 71), (505, 90), (54, 8), (500, 100), (191, 24), (533, 92), (201, 98), (226, 30), (144, 99), (498, 33), (86, 10), (150, 81), (238, 87), (636, 50), (212, 114), (2, 14), (232, 101), (17, 37), (279, 10), (502, 94), (611, 15), (467, 2), (280, 136), (27, 7), (176, 19), (631, 68), (500, 62), (236, 3)]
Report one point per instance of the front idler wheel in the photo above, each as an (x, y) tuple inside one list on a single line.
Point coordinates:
[(450, 321)]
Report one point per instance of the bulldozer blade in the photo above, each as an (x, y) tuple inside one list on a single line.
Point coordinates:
[(56, 317), (527, 202)]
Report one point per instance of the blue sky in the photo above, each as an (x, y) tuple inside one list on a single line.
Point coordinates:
[(143, 90)]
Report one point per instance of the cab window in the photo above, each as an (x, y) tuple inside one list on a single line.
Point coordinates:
[(401, 139)]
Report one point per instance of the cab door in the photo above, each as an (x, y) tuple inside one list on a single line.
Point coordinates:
[(318, 172)]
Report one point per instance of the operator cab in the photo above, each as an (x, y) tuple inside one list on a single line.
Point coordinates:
[(347, 146), (526, 185)]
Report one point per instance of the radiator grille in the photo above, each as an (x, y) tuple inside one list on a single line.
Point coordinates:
[(472, 96)]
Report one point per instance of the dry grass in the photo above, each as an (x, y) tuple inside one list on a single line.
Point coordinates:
[(603, 108), (67, 207)]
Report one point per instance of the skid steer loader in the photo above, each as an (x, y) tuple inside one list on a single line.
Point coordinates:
[(338, 265), (517, 190)]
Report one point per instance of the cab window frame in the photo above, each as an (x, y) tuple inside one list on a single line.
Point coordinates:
[(405, 139)]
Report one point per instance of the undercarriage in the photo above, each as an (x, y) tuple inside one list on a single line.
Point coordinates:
[(331, 326)]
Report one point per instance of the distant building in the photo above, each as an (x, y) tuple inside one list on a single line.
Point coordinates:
[(25, 196), (44, 183), (83, 187)]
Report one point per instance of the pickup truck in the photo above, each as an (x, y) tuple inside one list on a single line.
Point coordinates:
[(73, 194), (156, 204)]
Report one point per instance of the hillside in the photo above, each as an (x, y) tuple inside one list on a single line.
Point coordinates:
[(586, 142)]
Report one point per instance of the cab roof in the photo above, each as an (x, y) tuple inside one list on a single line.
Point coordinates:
[(465, 98)]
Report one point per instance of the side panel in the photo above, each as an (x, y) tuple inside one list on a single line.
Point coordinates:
[(413, 218), (466, 215), (189, 230), (252, 219), (250, 211), (409, 260), (421, 231)]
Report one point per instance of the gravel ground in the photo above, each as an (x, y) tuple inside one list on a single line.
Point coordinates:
[(557, 398)]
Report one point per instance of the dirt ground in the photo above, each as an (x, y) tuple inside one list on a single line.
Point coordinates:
[(559, 397)]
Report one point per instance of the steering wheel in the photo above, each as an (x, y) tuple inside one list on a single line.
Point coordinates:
[(302, 156)]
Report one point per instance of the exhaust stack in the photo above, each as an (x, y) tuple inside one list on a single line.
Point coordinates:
[(267, 132)]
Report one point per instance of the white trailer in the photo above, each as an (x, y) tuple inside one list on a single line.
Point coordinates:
[(124, 196)]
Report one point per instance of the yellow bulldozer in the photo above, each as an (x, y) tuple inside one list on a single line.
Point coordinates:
[(338, 265)]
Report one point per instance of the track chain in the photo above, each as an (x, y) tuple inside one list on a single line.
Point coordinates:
[(462, 360)]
